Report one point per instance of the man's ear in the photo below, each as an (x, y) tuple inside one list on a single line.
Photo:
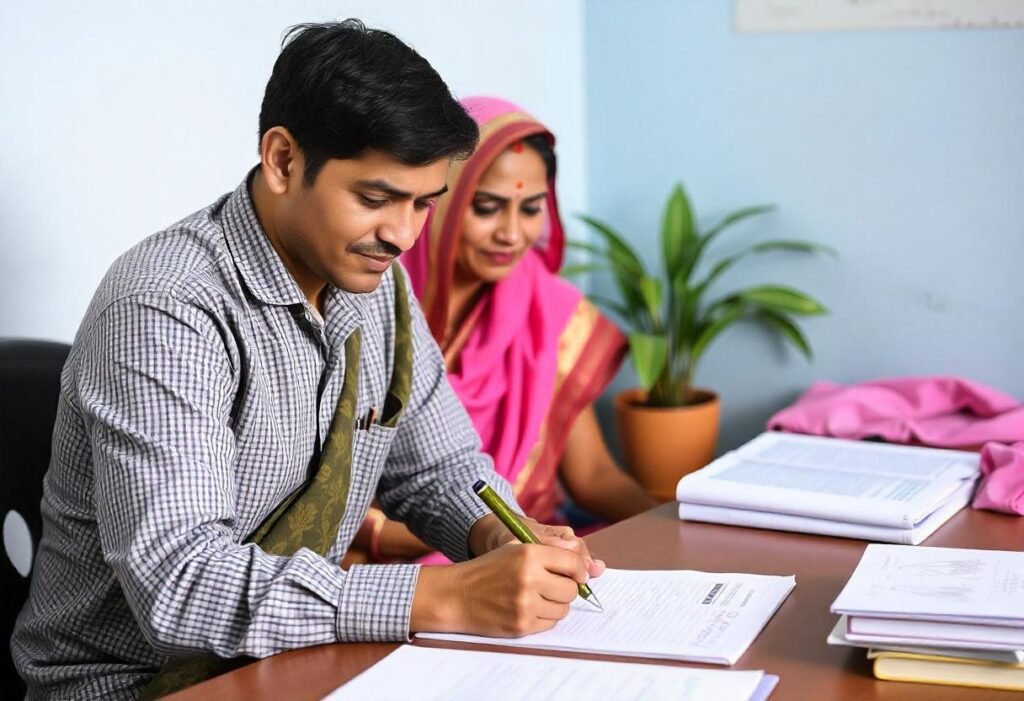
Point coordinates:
[(281, 160)]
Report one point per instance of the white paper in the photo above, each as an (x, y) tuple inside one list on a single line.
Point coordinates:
[(820, 526), (938, 632), (938, 584), (429, 674), (662, 614), (967, 650), (828, 478)]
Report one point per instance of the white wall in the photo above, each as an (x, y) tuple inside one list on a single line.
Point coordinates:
[(119, 118)]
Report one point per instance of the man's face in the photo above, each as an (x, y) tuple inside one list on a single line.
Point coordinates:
[(359, 214)]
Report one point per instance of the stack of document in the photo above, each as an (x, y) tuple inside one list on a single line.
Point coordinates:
[(661, 614), (435, 674), (937, 615), (850, 489)]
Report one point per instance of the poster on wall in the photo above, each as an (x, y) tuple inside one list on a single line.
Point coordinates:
[(817, 15)]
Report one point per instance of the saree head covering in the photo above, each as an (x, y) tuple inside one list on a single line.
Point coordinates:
[(532, 353)]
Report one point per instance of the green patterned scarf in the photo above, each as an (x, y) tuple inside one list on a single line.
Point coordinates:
[(311, 515)]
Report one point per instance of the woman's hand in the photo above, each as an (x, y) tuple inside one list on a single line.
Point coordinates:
[(393, 541), (593, 479)]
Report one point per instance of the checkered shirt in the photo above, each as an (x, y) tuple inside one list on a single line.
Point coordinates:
[(198, 391)]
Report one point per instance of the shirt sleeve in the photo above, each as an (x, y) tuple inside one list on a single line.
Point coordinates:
[(157, 383), (436, 457)]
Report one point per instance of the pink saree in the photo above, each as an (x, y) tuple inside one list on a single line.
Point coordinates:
[(533, 353)]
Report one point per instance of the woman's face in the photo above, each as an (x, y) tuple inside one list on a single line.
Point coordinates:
[(505, 217)]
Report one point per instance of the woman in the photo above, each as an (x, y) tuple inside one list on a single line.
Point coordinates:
[(526, 353)]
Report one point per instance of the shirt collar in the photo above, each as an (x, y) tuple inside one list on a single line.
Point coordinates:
[(259, 265), (262, 269)]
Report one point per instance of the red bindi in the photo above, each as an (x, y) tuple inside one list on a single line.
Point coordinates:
[(519, 185), (518, 147)]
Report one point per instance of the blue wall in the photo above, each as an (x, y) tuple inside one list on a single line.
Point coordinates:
[(902, 149)]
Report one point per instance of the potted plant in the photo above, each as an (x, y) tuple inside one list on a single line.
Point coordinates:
[(667, 426)]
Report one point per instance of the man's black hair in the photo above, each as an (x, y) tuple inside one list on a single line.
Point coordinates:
[(341, 89)]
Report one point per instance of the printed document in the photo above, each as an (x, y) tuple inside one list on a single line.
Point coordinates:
[(774, 520), (924, 646), (662, 614), (435, 674), (829, 478), (959, 585)]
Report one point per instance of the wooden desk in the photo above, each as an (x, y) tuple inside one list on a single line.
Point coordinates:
[(792, 645)]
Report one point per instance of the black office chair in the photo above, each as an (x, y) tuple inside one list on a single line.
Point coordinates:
[(29, 386)]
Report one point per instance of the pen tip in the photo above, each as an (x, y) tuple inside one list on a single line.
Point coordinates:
[(593, 600)]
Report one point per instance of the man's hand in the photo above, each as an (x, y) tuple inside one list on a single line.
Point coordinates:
[(489, 533), (511, 589)]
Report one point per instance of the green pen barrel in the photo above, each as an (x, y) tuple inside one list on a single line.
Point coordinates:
[(512, 521), (504, 513)]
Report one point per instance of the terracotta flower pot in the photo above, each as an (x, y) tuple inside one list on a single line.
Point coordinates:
[(660, 445)]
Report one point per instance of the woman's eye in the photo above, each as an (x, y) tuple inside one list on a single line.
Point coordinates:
[(421, 205), (530, 211), (371, 202), (482, 211)]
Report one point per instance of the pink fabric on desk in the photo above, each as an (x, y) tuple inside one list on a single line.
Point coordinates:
[(945, 412), (1002, 484)]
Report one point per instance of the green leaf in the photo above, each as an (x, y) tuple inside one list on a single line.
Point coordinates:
[(783, 299), (788, 245), (790, 331), (626, 269), (793, 245), (730, 313), (734, 218), (612, 306), (677, 233), (650, 290), (619, 252), (612, 257), (649, 353), (588, 247), (572, 270), (719, 268), (686, 302), (671, 333)]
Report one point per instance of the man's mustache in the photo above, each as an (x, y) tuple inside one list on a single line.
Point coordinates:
[(377, 249)]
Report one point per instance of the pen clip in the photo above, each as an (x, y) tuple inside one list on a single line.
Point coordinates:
[(370, 419)]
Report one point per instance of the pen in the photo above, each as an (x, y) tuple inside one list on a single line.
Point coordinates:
[(369, 420), (512, 521)]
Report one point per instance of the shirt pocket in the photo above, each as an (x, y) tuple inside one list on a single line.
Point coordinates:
[(370, 450)]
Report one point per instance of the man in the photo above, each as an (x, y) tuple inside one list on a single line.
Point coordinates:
[(245, 382)]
